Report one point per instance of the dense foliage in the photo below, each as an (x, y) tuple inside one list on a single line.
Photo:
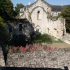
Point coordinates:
[(5, 36), (42, 38), (1, 20), (6, 9), (18, 6), (66, 14)]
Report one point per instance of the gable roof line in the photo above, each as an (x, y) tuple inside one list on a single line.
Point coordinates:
[(52, 6), (46, 2), (36, 2)]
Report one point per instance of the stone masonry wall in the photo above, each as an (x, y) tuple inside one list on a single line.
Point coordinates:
[(55, 58), (51, 27), (2, 63), (56, 28)]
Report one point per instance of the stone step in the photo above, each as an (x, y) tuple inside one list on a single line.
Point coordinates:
[(2, 62)]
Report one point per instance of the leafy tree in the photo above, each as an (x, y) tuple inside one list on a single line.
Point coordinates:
[(66, 14), (14, 13), (6, 9), (2, 11), (18, 6)]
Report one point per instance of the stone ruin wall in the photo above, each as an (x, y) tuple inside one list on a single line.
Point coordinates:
[(2, 62), (56, 27)]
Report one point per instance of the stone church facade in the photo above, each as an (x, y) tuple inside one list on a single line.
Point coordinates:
[(43, 17)]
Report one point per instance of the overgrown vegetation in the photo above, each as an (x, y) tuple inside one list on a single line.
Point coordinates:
[(66, 14), (41, 38), (29, 48), (7, 10), (59, 15), (3, 32), (17, 8), (49, 16)]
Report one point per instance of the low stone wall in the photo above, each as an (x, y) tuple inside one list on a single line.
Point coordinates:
[(55, 58), (2, 62)]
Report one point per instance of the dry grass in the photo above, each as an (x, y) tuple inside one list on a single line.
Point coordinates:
[(58, 45)]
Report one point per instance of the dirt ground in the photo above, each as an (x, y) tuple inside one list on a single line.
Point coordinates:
[(58, 45)]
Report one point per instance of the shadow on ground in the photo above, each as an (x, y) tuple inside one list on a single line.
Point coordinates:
[(24, 68)]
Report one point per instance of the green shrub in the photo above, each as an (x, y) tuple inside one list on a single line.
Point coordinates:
[(1, 20), (4, 34), (2, 27), (8, 21), (59, 15), (18, 17), (41, 38)]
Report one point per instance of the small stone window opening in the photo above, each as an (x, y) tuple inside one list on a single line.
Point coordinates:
[(38, 15), (20, 27)]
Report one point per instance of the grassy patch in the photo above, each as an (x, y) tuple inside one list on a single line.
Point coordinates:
[(59, 41), (54, 41), (41, 38)]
